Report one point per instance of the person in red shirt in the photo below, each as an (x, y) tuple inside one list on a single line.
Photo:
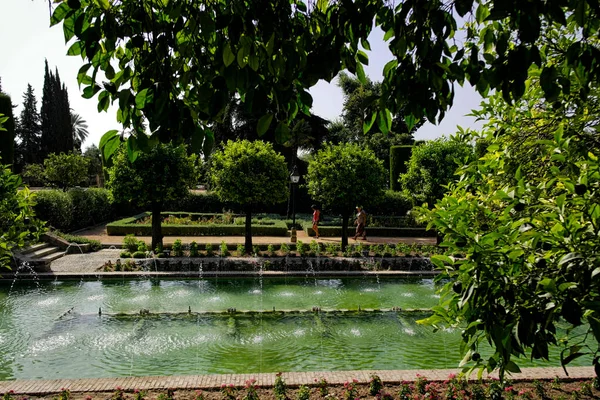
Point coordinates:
[(315, 219)]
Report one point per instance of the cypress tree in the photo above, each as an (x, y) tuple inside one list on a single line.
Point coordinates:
[(7, 137), (29, 130), (57, 133)]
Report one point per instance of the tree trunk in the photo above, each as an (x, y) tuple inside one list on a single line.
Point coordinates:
[(248, 241), (344, 231), (157, 238)]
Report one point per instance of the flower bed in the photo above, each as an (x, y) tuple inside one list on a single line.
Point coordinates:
[(420, 389), (198, 224)]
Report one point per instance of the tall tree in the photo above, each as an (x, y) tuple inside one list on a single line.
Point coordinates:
[(57, 133), (0, 84), (79, 127), (7, 135), (28, 131)]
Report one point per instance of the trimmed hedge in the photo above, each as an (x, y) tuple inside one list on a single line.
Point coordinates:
[(336, 231), (128, 226), (75, 209), (391, 204), (399, 156)]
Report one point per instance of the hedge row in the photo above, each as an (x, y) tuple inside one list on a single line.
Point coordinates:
[(74, 209), (336, 231), (128, 226)]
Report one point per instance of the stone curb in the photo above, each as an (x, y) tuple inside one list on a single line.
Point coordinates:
[(292, 379)]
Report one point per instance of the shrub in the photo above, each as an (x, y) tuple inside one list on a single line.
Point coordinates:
[(303, 393), (375, 385), (300, 248), (56, 208), (66, 170), (224, 250), (130, 242), (75, 209), (271, 250), (142, 246), (139, 254), (194, 249), (285, 249), (95, 245), (399, 156), (391, 203), (209, 250), (241, 249), (125, 254), (177, 248), (279, 388)]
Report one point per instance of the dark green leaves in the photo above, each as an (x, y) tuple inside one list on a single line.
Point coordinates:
[(228, 56), (143, 97), (109, 143), (60, 13), (384, 120), (263, 124), (369, 121), (282, 132)]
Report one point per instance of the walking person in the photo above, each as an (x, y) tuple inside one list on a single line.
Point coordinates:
[(361, 221), (316, 218)]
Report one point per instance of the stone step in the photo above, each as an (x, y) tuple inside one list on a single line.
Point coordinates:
[(34, 247), (43, 252), (51, 257)]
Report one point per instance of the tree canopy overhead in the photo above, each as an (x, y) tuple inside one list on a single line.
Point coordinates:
[(175, 64)]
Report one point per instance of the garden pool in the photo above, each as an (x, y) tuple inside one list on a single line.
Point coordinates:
[(52, 330)]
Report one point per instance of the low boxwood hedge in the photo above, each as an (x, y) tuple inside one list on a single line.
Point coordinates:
[(336, 231), (128, 226)]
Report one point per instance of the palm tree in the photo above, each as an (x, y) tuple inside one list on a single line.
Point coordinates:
[(80, 132)]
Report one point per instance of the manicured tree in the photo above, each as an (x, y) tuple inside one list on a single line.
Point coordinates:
[(249, 173), (7, 136), (66, 170), (163, 174), (17, 224), (29, 130), (432, 166), (344, 176)]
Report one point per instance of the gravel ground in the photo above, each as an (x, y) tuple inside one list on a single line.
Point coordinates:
[(89, 262)]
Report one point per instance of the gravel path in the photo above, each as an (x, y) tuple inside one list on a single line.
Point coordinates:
[(89, 262)]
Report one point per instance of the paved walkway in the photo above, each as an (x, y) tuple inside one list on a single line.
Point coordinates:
[(99, 233), (44, 387)]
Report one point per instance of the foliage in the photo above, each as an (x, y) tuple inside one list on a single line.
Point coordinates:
[(279, 387), (74, 209), (161, 175), (28, 131), (130, 243), (375, 385), (303, 393), (350, 390), (92, 153), (249, 173), (344, 176), (7, 134), (194, 249), (65, 170), (55, 114), (79, 127), (95, 245), (391, 203), (17, 222), (34, 174), (399, 157), (432, 166), (322, 385), (525, 216), (177, 248)]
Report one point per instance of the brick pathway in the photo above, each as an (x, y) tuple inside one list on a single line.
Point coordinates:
[(44, 387)]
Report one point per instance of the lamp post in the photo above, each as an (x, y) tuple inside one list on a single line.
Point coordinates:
[(294, 179)]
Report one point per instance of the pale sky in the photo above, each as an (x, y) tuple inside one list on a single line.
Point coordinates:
[(27, 40)]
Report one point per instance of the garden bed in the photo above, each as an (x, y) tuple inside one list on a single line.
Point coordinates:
[(420, 389), (197, 224), (379, 231)]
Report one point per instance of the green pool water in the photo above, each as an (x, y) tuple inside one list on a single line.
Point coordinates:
[(53, 330)]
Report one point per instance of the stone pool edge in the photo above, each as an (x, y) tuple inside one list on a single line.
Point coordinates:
[(293, 379), (207, 274)]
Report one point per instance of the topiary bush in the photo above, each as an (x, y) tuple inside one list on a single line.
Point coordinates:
[(399, 156)]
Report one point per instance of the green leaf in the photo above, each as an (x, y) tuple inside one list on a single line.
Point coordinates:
[(363, 57), (410, 122), (388, 34), (263, 124), (132, 149), (104, 4), (228, 56), (282, 132), (253, 62), (558, 134), (365, 44), (60, 13), (360, 74), (512, 367), (368, 123), (569, 257), (140, 99), (209, 142), (390, 67), (109, 143), (75, 49), (384, 120), (271, 45)]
